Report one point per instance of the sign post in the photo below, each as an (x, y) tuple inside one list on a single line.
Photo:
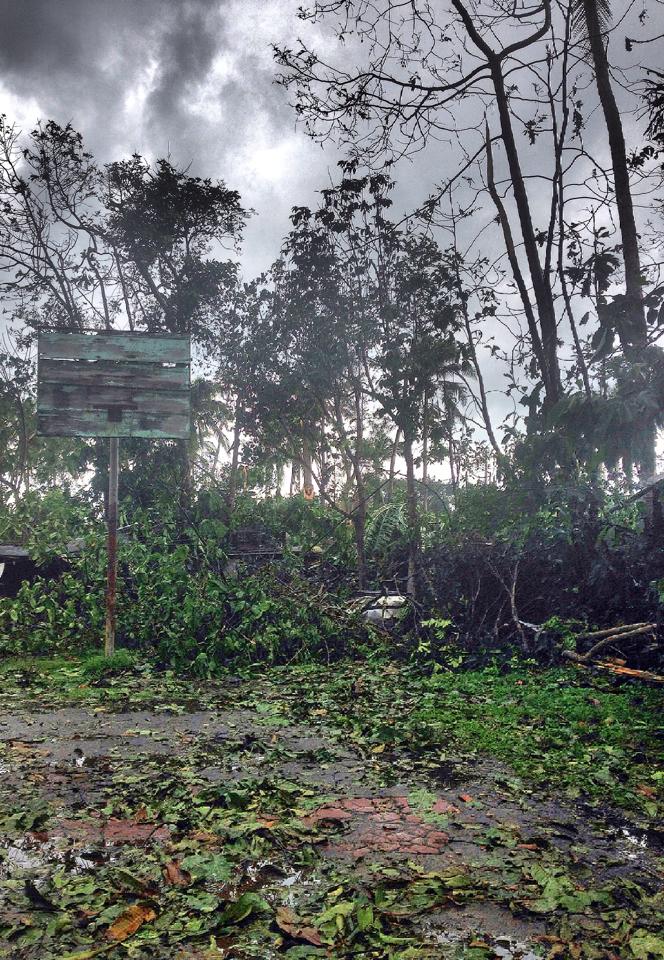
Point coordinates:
[(113, 384), (112, 576)]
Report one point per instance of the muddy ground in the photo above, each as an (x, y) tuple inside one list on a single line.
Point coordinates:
[(151, 822)]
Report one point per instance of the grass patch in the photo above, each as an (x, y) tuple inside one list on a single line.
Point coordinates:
[(565, 731)]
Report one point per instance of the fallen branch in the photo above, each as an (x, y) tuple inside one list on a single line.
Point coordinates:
[(607, 641), (621, 671), (611, 631)]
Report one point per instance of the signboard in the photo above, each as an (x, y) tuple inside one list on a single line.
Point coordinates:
[(113, 384)]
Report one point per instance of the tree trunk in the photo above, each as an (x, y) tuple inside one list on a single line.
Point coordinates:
[(632, 329), (539, 278), (360, 512), (413, 520), (453, 467), (517, 273), (359, 527), (185, 473), (540, 281), (322, 459), (235, 460), (307, 472), (474, 359), (634, 335), (294, 478), (425, 452), (393, 463)]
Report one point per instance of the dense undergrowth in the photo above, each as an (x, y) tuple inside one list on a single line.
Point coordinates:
[(175, 602), (519, 568)]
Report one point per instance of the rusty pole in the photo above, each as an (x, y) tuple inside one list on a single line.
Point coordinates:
[(109, 644)]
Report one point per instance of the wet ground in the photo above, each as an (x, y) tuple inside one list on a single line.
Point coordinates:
[(148, 823)]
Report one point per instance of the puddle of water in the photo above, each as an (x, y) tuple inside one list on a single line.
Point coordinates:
[(34, 855), (447, 774), (484, 921), (635, 844), (506, 948), (289, 881), (18, 858)]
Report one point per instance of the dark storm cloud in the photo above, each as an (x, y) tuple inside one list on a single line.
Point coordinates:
[(68, 53), (184, 49), (192, 79)]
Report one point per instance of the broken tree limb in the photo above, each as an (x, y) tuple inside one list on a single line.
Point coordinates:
[(608, 641), (611, 631), (622, 671)]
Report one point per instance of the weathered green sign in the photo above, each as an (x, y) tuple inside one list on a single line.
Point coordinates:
[(113, 384)]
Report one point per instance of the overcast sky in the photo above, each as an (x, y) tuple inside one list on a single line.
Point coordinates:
[(189, 78), (194, 79)]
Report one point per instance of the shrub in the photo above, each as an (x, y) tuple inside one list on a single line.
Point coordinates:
[(98, 665), (173, 603)]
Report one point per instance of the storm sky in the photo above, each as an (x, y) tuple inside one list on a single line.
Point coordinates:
[(192, 79)]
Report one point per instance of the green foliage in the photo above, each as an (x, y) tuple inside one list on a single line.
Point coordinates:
[(46, 523), (552, 727), (570, 551), (99, 666), (303, 525), (174, 601), (387, 531)]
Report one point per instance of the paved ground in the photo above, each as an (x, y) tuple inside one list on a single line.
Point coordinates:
[(165, 817)]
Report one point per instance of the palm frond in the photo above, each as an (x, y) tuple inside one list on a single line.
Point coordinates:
[(585, 13)]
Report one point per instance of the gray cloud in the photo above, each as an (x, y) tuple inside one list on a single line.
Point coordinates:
[(191, 79)]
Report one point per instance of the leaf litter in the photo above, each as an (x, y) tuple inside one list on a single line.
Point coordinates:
[(259, 820)]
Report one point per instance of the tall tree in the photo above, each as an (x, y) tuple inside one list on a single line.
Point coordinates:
[(127, 245), (592, 18)]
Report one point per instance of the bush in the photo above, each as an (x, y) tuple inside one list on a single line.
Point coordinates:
[(565, 550), (99, 666), (173, 603)]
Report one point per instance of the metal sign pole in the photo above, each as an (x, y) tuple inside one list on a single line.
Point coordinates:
[(109, 645)]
